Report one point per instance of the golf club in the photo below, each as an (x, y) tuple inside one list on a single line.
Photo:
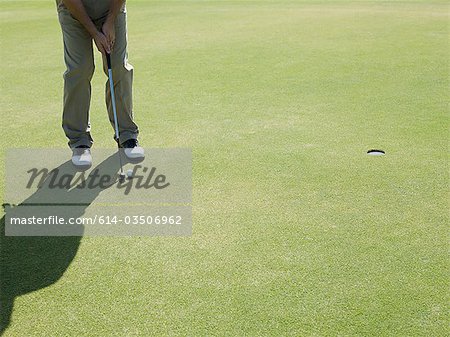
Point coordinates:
[(116, 123)]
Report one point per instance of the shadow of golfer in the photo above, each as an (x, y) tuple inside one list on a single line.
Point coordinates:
[(30, 263)]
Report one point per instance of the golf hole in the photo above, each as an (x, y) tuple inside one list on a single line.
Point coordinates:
[(374, 152)]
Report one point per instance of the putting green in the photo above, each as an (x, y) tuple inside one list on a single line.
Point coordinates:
[(297, 231)]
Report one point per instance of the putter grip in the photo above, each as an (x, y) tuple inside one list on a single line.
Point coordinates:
[(108, 60)]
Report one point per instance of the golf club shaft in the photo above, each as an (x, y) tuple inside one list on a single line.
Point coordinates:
[(113, 102), (113, 96)]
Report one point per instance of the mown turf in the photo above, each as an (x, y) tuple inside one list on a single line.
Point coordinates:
[(296, 230)]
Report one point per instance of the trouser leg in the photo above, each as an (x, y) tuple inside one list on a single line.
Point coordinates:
[(79, 59), (123, 82)]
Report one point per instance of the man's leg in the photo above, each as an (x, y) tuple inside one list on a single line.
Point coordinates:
[(79, 59), (123, 81)]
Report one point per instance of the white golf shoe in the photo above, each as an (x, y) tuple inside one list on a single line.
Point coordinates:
[(132, 150), (81, 157)]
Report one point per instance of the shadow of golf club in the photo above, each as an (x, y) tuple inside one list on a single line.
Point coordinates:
[(30, 263)]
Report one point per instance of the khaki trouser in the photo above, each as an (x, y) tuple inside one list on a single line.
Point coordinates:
[(79, 59)]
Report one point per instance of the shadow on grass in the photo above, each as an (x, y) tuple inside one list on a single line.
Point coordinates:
[(30, 263)]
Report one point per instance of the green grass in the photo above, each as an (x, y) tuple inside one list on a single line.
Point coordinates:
[(296, 231)]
